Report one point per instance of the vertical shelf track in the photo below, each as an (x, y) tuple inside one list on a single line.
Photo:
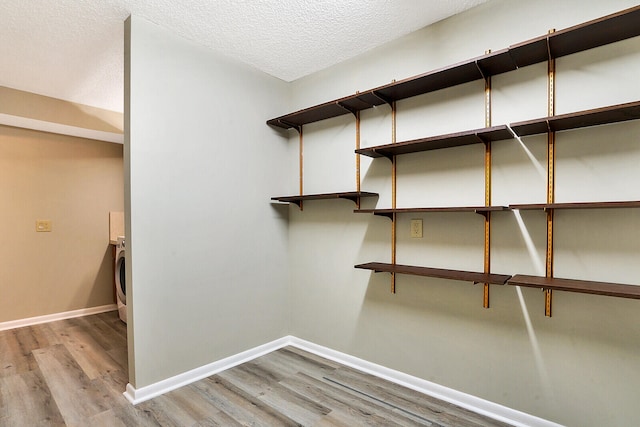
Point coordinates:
[(551, 157), (357, 114), (392, 104), (301, 161), (394, 183), (487, 188)]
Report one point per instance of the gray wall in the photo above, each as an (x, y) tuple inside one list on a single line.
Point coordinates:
[(579, 367), (207, 252), (210, 272)]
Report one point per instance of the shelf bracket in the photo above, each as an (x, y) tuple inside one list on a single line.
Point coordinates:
[(291, 125), (386, 215), (358, 97), (349, 109), (382, 97), (551, 31), (484, 75), (354, 199), (481, 139), (386, 155)]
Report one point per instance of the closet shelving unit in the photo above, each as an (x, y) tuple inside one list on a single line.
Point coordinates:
[(297, 121), (599, 32), (470, 276), (577, 205), (354, 196), (574, 285), (580, 119), (476, 136), (482, 210), (550, 125), (580, 286)]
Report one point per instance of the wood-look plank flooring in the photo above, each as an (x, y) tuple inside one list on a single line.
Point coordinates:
[(73, 372)]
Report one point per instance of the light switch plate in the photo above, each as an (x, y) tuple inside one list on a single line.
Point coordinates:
[(43, 225), (416, 228)]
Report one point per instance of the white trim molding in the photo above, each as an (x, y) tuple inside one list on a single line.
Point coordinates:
[(44, 126), (464, 400), (12, 324), (142, 394)]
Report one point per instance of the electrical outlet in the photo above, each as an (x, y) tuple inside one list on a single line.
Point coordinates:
[(43, 225), (416, 228)]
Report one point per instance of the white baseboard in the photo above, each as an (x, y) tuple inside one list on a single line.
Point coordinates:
[(56, 316), (467, 401), (464, 400), (142, 394)]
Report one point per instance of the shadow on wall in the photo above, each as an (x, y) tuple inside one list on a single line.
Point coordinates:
[(97, 287)]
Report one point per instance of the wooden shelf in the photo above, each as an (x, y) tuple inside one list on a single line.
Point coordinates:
[(465, 276), (577, 205), (581, 286), (476, 136), (580, 119), (475, 209), (349, 195), (609, 29), (328, 110), (598, 32), (463, 72)]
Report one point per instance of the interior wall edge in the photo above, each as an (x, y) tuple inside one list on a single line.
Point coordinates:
[(178, 91), (126, 156)]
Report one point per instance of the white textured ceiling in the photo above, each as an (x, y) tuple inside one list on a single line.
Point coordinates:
[(73, 49)]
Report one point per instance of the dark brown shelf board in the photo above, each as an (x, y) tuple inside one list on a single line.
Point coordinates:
[(463, 72), (431, 81), (475, 209), (609, 29), (598, 32), (577, 205), (475, 136), (580, 119), (328, 110), (572, 285), (465, 276), (349, 195)]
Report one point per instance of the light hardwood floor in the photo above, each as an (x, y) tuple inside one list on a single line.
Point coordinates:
[(73, 372)]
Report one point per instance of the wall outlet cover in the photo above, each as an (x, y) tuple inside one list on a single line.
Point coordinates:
[(416, 228), (43, 225)]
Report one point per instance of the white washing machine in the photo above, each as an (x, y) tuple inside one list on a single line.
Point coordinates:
[(121, 281)]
